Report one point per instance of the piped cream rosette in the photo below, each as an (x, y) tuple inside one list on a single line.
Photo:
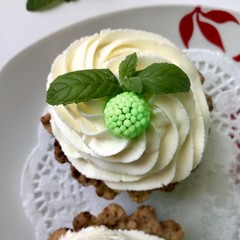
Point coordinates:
[(170, 148), (103, 233)]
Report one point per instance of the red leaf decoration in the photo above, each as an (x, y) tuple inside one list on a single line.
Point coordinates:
[(220, 16), (210, 33), (186, 28), (237, 58)]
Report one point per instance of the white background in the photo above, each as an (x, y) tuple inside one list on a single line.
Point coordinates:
[(20, 28)]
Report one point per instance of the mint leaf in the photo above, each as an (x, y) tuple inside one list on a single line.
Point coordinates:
[(133, 84), (164, 78), (127, 67), (34, 5), (83, 85)]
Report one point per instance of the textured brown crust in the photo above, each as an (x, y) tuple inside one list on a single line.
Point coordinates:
[(209, 102), (58, 153), (102, 190), (58, 233), (202, 78), (143, 219), (45, 120)]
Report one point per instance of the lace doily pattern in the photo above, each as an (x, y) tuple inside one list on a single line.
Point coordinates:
[(50, 195), (223, 85), (206, 204)]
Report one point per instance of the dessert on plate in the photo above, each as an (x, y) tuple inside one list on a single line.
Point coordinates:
[(128, 112), (114, 223)]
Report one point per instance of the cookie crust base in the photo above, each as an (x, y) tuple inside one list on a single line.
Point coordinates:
[(113, 216)]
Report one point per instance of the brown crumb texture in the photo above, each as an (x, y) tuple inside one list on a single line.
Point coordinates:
[(169, 188), (209, 102), (144, 219), (58, 153), (202, 78), (57, 234), (83, 220), (102, 189), (45, 120), (113, 216), (139, 196)]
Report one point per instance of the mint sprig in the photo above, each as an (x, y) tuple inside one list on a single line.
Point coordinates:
[(85, 85)]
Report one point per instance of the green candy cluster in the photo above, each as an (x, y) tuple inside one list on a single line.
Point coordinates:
[(127, 115)]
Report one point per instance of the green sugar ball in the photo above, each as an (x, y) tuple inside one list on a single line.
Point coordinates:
[(127, 115)]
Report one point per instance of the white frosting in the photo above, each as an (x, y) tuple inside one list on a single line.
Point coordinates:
[(102, 232), (169, 149)]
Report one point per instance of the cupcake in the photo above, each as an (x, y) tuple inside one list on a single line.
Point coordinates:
[(114, 223), (128, 112)]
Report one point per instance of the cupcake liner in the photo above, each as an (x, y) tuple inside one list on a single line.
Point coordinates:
[(206, 204)]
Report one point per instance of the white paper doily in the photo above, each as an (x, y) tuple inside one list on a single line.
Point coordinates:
[(206, 204)]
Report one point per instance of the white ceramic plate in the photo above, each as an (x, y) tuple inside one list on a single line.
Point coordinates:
[(22, 85)]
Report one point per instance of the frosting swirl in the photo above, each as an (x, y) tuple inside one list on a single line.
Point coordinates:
[(102, 232), (173, 144)]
